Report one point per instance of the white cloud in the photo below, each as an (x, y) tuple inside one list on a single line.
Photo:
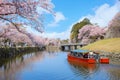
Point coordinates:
[(61, 35), (57, 18), (103, 14)]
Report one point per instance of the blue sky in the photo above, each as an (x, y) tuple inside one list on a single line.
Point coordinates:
[(69, 12)]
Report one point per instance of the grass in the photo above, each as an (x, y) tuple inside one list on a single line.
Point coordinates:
[(107, 45)]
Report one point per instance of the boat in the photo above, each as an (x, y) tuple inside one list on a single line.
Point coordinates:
[(86, 56), (84, 67), (104, 59)]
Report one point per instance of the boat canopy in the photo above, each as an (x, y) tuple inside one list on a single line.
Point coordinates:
[(80, 51)]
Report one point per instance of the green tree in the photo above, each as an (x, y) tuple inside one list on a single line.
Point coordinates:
[(76, 27)]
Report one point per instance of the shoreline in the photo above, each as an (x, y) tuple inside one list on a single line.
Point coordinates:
[(11, 52)]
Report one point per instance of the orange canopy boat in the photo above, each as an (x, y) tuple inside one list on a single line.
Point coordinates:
[(86, 56)]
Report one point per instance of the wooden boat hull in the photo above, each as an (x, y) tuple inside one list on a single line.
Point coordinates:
[(104, 60), (73, 58)]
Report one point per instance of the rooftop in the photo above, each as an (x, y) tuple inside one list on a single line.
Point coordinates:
[(80, 51)]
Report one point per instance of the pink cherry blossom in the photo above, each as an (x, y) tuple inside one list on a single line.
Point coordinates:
[(114, 27), (90, 32)]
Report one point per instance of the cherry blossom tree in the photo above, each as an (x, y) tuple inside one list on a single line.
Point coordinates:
[(91, 33), (114, 27), (9, 36), (25, 12), (50, 41), (39, 41)]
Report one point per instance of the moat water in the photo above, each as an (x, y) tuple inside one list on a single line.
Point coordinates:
[(53, 65)]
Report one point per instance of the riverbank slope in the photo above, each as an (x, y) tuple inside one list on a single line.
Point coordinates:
[(107, 45)]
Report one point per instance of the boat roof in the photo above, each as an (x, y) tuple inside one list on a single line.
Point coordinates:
[(80, 51)]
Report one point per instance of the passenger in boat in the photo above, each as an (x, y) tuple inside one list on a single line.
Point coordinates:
[(78, 55), (85, 55), (91, 55), (75, 54), (96, 56), (72, 53)]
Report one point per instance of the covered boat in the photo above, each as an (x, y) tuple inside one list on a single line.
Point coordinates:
[(86, 56)]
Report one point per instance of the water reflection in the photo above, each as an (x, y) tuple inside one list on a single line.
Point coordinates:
[(85, 68), (95, 71), (9, 68), (114, 72), (82, 69), (53, 65)]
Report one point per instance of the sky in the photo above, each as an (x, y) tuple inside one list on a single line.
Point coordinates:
[(69, 12)]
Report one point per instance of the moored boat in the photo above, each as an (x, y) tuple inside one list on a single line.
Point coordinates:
[(86, 56), (104, 59)]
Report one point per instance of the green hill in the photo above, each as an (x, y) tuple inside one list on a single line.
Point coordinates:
[(107, 45)]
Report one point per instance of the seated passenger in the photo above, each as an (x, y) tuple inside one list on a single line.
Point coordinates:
[(85, 56)]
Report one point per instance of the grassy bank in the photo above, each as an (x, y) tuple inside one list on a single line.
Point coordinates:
[(106, 45)]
